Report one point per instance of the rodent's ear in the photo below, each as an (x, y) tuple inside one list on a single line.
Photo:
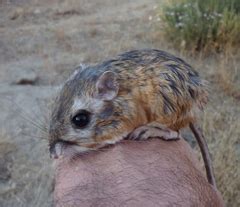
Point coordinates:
[(107, 86)]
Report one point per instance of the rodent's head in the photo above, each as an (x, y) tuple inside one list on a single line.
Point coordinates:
[(83, 110)]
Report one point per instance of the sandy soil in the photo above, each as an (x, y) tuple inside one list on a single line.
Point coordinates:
[(40, 44)]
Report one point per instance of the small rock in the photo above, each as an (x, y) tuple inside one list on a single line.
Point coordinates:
[(26, 77), (17, 13), (70, 12)]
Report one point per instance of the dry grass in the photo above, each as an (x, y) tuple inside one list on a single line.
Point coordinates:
[(222, 128), (221, 120), (225, 120), (228, 74), (221, 125)]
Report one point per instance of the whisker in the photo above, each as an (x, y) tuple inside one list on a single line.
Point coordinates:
[(44, 130), (35, 136), (26, 116), (40, 123), (45, 115), (21, 108)]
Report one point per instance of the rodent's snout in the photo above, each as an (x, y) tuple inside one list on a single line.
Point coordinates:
[(56, 149)]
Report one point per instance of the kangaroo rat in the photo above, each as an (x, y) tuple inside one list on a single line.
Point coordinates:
[(125, 97)]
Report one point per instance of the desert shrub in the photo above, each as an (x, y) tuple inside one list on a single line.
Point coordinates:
[(202, 24)]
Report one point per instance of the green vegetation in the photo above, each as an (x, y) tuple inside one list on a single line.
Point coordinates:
[(202, 24)]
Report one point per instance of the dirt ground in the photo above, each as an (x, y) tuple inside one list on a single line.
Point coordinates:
[(40, 44)]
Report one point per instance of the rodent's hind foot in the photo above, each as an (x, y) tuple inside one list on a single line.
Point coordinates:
[(153, 130)]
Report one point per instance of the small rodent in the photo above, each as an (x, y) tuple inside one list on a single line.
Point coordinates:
[(105, 103)]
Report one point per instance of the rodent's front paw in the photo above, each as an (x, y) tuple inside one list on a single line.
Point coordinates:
[(153, 130)]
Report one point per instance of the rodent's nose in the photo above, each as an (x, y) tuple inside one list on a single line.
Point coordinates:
[(55, 149)]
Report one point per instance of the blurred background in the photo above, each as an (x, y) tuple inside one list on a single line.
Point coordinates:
[(42, 41)]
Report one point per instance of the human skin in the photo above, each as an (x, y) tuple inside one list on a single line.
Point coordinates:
[(134, 173)]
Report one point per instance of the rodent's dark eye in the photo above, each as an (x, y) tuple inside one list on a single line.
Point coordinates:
[(81, 119)]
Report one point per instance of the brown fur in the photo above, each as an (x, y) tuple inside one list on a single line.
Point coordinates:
[(153, 86)]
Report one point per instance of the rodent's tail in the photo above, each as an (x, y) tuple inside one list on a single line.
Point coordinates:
[(205, 154)]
